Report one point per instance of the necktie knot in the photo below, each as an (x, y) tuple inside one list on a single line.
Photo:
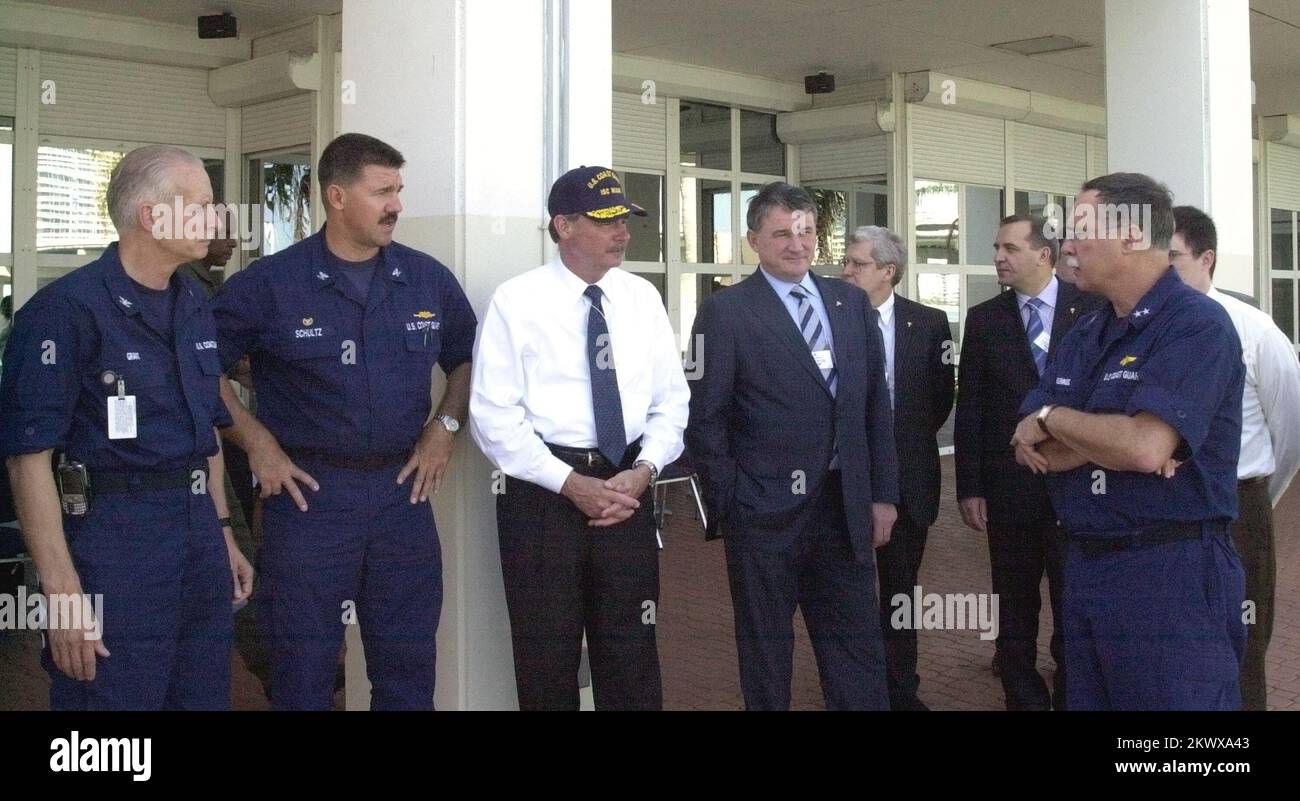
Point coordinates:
[(798, 292), (593, 293), (1037, 303)]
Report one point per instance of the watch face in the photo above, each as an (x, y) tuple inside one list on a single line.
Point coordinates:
[(450, 422)]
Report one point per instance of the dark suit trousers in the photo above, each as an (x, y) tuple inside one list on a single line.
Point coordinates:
[(897, 564), (563, 576), (836, 594), (1252, 533), (1020, 555)]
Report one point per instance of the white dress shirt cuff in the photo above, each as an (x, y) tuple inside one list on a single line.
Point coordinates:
[(553, 474)]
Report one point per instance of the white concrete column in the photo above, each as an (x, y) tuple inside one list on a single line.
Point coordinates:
[(459, 88), (1178, 106)]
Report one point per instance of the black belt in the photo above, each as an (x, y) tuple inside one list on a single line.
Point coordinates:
[(377, 461), (1247, 482), (1147, 538), (109, 482), (591, 457)]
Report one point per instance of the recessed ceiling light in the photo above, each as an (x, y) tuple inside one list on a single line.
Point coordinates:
[(1040, 45)]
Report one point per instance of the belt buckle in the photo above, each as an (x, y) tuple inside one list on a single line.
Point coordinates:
[(590, 459)]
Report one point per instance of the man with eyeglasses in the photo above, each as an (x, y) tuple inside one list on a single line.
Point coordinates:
[(919, 372)]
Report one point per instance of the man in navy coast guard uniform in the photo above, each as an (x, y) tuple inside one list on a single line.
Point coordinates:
[(115, 365), (343, 330), (1138, 420)]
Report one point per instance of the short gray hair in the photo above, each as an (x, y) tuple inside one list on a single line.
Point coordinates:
[(145, 175), (886, 247)]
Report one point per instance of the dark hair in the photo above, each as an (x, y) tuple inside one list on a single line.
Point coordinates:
[(1134, 188), (343, 159), (1199, 232), (1037, 232), (777, 194)]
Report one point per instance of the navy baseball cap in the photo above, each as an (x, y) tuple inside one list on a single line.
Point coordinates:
[(593, 191)]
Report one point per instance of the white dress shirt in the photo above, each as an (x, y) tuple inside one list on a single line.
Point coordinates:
[(1270, 404), (532, 384), (886, 312), (1047, 312)]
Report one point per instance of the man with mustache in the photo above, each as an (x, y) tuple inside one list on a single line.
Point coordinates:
[(343, 331), (579, 397)]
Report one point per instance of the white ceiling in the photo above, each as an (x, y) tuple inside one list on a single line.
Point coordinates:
[(855, 39), (862, 39), (255, 16)]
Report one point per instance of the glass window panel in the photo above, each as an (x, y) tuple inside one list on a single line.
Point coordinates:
[(832, 224), (980, 288), (1283, 236), (647, 191), (943, 292), (6, 186), (71, 210), (747, 193), (285, 182), (6, 197), (706, 221), (760, 149), (937, 225), (983, 211), (1283, 306), (696, 288), (705, 132)]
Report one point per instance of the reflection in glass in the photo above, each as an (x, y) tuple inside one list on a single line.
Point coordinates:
[(760, 149), (696, 288), (71, 209), (705, 135), (6, 196), (937, 212), (647, 191), (1283, 306), (706, 221), (843, 208), (983, 211), (980, 288), (941, 291), (285, 182), (747, 193), (1282, 232)]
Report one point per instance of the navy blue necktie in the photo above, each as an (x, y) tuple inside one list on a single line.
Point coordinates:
[(606, 403), (1033, 330)]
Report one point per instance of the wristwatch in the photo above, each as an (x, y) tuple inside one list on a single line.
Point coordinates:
[(1042, 417), (450, 423), (654, 471)]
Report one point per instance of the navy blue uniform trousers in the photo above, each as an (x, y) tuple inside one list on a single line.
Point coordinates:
[(362, 551)]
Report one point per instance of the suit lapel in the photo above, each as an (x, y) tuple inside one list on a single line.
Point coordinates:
[(1011, 314), (835, 311), (1068, 309), (772, 312), (905, 332)]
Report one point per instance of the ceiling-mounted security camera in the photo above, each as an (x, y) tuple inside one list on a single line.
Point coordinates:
[(219, 26), (823, 83)]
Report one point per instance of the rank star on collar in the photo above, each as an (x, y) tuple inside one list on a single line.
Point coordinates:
[(322, 276), (125, 303), (397, 273), (1141, 312)]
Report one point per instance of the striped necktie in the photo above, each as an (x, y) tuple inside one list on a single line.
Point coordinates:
[(1033, 330), (813, 333)]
